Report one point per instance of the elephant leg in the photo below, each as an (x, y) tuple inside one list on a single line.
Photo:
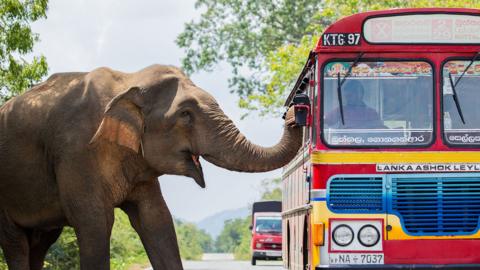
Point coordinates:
[(150, 217), (40, 242), (14, 242), (94, 240), (88, 211)]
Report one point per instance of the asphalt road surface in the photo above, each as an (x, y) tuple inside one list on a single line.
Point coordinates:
[(226, 262)]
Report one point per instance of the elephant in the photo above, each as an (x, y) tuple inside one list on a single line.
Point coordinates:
[(78, 145)]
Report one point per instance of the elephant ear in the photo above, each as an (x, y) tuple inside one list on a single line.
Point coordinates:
[(123, 121)]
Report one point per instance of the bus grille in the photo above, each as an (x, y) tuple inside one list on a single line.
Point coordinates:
[(437, 205), (356, 195)]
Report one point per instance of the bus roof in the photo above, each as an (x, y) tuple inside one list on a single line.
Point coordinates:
[(405, 30)]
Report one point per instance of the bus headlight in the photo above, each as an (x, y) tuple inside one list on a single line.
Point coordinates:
[(342, 235), (258, 245), (368, 235)]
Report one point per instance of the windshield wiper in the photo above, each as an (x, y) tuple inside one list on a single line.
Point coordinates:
[(455, 98), (339, 96), (341, 82), (453, 85), (469, 65)]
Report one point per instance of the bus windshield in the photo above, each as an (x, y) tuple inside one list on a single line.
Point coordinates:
[(456, 131), (268, 225), (385, 103)]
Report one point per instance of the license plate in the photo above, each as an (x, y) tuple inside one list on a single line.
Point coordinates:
[(355, 258), (274, 253)]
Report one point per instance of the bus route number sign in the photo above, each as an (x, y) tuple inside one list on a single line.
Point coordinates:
[(341, 39)]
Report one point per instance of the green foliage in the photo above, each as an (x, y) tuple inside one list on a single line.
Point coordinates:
[(235, 238), (230, 236), (3, 265), (243, 33), (16, 39), (192, 241), (64, 253), (125, 247), (271, 39), (242, 250), (272, 189)]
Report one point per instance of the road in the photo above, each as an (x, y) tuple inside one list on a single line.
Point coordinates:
[(226, 262)]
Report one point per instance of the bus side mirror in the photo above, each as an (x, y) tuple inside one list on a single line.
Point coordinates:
[(301, 104), (250, 227)]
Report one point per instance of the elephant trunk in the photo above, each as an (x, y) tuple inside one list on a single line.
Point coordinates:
[(231, 150)]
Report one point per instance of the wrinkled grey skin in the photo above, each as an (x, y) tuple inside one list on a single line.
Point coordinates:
[(80, 144)]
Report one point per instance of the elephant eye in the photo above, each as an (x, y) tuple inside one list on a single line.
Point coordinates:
[(186, 117)]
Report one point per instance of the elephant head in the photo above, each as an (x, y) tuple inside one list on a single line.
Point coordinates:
[(171, 122)]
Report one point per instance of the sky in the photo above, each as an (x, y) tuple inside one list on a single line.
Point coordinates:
[(128, 35)]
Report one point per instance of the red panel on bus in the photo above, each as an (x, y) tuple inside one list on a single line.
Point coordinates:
[(432, 251)]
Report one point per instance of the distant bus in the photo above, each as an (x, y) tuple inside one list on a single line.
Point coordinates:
[(389, 172), (266, 230)]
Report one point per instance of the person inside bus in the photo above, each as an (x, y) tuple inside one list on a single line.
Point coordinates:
[(355, 112)]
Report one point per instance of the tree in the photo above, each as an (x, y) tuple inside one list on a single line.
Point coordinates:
[(16, 40), (231, 235), (243, 33), (267, 42), (236, 236), (192, 241), (272, 189)]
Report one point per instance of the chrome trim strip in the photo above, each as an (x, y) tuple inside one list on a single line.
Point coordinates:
[(318, 193), (305, 207)]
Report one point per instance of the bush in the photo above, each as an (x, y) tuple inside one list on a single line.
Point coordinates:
[(3, 265), (125, 247), (235, 238), (64, 253), (192, 241), (242, 250)]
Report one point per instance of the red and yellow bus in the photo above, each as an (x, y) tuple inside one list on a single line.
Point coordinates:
[(389, 173)]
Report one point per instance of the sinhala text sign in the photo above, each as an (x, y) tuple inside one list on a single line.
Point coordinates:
[(423, 28)]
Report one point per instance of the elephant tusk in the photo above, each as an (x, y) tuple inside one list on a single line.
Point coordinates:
[(195, 159)]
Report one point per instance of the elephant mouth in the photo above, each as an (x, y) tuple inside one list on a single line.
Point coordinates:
[(196, 171)]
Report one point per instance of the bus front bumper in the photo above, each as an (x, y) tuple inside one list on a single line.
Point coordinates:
[(448, 254), (267, 254)]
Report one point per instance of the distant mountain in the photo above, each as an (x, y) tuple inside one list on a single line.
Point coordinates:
[(213, 225)]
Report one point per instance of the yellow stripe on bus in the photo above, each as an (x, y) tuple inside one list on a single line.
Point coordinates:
[(346, 157)]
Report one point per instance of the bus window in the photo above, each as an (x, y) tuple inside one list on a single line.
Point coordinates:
[(468, 96), (384, 104)]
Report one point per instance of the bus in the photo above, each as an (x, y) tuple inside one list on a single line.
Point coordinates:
[(389, 172)]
